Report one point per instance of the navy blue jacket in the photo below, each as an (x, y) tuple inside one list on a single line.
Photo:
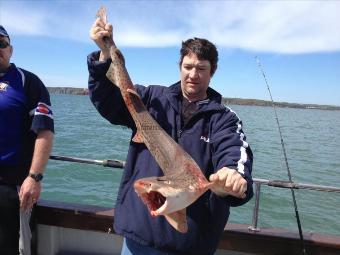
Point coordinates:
[(213, 137)]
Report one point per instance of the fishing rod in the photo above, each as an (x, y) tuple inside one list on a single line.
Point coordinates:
[(285, 157), (296, 185), (108, 162)]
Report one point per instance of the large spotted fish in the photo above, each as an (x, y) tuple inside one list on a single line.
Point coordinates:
[(183, 181)]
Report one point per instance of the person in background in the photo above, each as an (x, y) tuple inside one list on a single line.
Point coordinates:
[(26, 137), (192, 114)]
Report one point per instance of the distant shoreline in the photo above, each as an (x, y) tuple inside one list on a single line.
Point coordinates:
[(227, 101)]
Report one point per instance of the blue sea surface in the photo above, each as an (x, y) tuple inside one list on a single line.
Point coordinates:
[(311, 138)]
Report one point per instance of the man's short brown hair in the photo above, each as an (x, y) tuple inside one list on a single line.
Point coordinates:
[(203, 49)]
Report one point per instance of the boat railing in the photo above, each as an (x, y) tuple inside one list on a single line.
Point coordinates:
[(257, 181), (282, 184)]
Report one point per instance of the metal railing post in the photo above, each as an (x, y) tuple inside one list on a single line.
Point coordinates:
[(254, 227)]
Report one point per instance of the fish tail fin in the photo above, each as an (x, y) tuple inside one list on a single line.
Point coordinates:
[(117, 66), (116, 54), (110, 75), (178, 220), (138, 138)]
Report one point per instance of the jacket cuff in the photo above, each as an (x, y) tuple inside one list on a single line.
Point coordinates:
[(96, 67)]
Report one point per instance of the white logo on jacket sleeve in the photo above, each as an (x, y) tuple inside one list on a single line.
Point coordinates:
[(205, 139)]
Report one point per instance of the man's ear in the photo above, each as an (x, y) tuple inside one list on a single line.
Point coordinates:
[(213, 70), (11, 50)]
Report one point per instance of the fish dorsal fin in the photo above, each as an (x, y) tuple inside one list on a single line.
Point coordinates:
[(133, 92), (138, 138), (178, 220)]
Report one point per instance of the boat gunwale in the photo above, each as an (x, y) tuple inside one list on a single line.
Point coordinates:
[(236, 237)]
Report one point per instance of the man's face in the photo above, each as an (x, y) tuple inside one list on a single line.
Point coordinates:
[(5, 54), (195, 77)]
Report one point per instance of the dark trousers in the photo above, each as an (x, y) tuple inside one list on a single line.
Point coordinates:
[(9, 220)]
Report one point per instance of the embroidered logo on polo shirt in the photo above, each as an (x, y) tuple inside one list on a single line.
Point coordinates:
[(3, 86)]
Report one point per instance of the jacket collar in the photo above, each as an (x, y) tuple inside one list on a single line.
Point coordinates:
[(213, 102)]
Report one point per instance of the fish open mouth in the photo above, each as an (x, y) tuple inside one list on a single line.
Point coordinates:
[(153, 200)]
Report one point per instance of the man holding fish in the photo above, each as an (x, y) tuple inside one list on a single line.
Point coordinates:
[(182, 136)]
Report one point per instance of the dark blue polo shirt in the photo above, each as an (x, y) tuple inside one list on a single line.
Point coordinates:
[(25, 109)]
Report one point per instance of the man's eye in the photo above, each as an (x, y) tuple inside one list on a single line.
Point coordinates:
[(203, 68)]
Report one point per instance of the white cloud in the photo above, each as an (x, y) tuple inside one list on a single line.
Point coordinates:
[(59, 19), (272, 26), (19, 20), (276, 26)]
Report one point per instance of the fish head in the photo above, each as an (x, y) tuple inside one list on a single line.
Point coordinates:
[(148, 190), (165, 197)]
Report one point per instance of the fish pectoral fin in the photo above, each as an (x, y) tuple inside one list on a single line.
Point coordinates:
[(138, 138), (178, 220), (133, 92)]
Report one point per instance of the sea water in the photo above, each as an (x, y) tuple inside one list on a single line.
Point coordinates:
[(311, 138)]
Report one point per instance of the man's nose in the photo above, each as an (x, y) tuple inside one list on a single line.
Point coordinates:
[(193, 73)]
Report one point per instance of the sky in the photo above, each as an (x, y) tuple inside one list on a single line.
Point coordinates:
[(296, 41)]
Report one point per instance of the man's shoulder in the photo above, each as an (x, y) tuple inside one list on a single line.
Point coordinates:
[(221, 113), (158, 88), (28, 75), (33, 86), (152, 90)]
